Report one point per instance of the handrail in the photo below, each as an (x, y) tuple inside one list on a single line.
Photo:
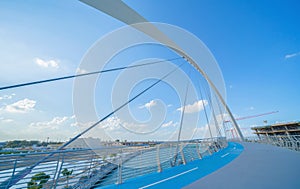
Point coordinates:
[(286, 141), (85, 168)]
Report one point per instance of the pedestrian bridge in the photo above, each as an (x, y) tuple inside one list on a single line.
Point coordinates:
[(209, 163)]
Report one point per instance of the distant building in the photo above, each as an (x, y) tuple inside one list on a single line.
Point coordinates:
[(53, 146), (2, 144), (291, 128), (92, 143)]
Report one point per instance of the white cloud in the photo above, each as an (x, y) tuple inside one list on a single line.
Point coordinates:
[(149, 104), (111, 123), (114, 124), (7, 120), (47, 64), (56, 128), (196, 107), (81, 71), (55, 123), (291, 55), (170, 124), (117, 128), (22, 106), (5, 97), (3, 120), (201, 130), (249, 108)]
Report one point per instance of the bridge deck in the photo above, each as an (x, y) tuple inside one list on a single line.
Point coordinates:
[(244, 165), (180, 176), (259, 166)]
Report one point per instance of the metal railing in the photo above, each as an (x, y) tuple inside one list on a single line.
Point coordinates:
[(86, 168), (291, 142)]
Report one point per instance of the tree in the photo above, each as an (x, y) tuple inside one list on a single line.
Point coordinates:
[(38, 180), (66, 173)]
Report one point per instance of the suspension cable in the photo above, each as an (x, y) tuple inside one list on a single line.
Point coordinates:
[(205, 111), (213, 111), (221, 112), (85, 74), (181, 123), (16, 178)]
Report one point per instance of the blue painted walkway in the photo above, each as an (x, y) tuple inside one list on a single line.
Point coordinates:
[(260, 166), (183, 175)]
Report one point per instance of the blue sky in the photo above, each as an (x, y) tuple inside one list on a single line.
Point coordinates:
[(256, 44)]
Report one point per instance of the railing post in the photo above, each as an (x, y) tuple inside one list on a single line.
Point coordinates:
[(56, 172), (206, 145), (120, 170), (60, 165), (182, 154), (158, 159), (293, 142), (268, 139), (198, 151), (13, 173)]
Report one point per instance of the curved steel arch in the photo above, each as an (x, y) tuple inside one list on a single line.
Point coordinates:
[(132, 18)]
